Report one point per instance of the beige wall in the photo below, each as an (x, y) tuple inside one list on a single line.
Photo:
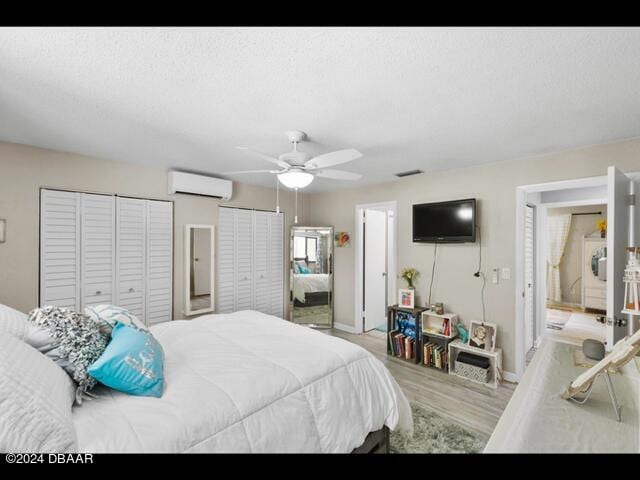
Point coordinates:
[(571, 262), (23, 170), (494, 186)]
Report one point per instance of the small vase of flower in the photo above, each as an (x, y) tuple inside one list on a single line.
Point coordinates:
[(602, 226), (410, 275)]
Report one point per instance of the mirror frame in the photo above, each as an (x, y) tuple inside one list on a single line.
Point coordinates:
[(187, 269), (297, 228)]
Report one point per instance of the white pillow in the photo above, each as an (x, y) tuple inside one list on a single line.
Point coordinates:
[(16, 323), (35, 401), (107, 316)]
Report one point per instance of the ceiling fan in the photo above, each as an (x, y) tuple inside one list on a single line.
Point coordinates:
[(298, 169)]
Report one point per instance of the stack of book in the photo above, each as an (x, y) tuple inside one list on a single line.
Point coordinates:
[(435, 355), (402, 345)]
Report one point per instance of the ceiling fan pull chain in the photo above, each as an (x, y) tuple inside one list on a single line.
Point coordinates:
[(277, 195), (295, 217)]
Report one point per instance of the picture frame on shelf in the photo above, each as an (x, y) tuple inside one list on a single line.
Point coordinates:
[(406, 298), (482, 335)]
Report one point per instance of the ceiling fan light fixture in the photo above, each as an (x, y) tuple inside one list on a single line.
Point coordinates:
[(295, 179)]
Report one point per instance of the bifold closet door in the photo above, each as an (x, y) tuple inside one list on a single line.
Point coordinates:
[(261, 278), (244, 260), (226, 263), (97, 247), (60, 249), (250, 261), (276, 264), (159, 261), (131, 255)]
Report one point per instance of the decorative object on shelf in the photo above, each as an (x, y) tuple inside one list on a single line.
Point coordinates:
[(601, 225), (631, 281), (439, 308), (462, 333), (406, 297), (410, 275), (3, 230), (491, 377), (473, 366), (342, 239), (482, 335)]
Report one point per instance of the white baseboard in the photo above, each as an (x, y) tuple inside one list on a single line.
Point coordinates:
[(510, 377), (345, 328)]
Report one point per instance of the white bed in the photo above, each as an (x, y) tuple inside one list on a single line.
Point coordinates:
[(248, 382), (304, 283)]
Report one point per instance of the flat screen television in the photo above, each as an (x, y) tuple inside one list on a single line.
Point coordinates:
[(445, 222)]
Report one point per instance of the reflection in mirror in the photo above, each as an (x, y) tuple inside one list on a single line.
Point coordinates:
[(199, 260), (311, 276)]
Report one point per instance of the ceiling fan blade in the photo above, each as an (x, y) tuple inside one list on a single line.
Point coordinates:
[(268, 158), (333, 158), (250, 171), (337, 174)]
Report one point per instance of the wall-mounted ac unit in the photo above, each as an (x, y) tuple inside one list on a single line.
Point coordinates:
[(180, 182)]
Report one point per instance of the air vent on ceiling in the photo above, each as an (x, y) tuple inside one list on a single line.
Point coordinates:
[(408, 173)]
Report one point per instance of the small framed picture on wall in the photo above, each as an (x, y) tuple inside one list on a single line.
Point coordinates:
[(406, 298)]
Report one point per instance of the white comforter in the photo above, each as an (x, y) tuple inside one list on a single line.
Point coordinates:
[(249, 382), (309, 283)]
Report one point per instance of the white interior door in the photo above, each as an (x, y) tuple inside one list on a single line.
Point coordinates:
[(201, 261), (529, 277), (618, 238), (375, 268)]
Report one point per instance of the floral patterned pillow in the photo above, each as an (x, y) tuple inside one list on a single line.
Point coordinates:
[(74, 342)]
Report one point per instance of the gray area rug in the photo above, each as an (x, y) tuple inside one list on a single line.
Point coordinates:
[(435, 434)]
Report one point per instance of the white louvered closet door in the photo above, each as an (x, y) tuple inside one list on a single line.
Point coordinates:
[(97, 247), (261, 286), (131, 225), (60, 249), (244, 260), (276, 264), (226, 263), (159, 261)]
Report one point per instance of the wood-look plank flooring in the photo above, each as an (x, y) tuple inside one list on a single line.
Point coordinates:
[(471, 405)]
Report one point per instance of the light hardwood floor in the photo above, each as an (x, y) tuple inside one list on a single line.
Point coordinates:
[(471, 405)]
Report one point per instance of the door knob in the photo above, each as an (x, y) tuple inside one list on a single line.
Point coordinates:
[(131, 289), (98, 292)]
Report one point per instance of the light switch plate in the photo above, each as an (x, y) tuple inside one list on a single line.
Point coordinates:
[(494, 275), (505, 273)]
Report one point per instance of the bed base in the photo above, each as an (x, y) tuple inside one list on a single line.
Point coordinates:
[(375, 442), (313, 299)]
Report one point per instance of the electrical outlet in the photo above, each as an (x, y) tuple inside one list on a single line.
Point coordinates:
[(505, 273), (494, 275)]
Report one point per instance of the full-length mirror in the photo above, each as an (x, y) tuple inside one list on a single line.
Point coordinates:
[(199, 277), (311, 276)]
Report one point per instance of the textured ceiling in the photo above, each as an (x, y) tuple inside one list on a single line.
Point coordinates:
[(428, 98)]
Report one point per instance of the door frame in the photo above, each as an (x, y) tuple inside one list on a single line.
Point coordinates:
[(392, 243), (521, 199)]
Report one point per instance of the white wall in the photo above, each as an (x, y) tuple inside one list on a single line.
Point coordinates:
[(23, 170), (494, 186)]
